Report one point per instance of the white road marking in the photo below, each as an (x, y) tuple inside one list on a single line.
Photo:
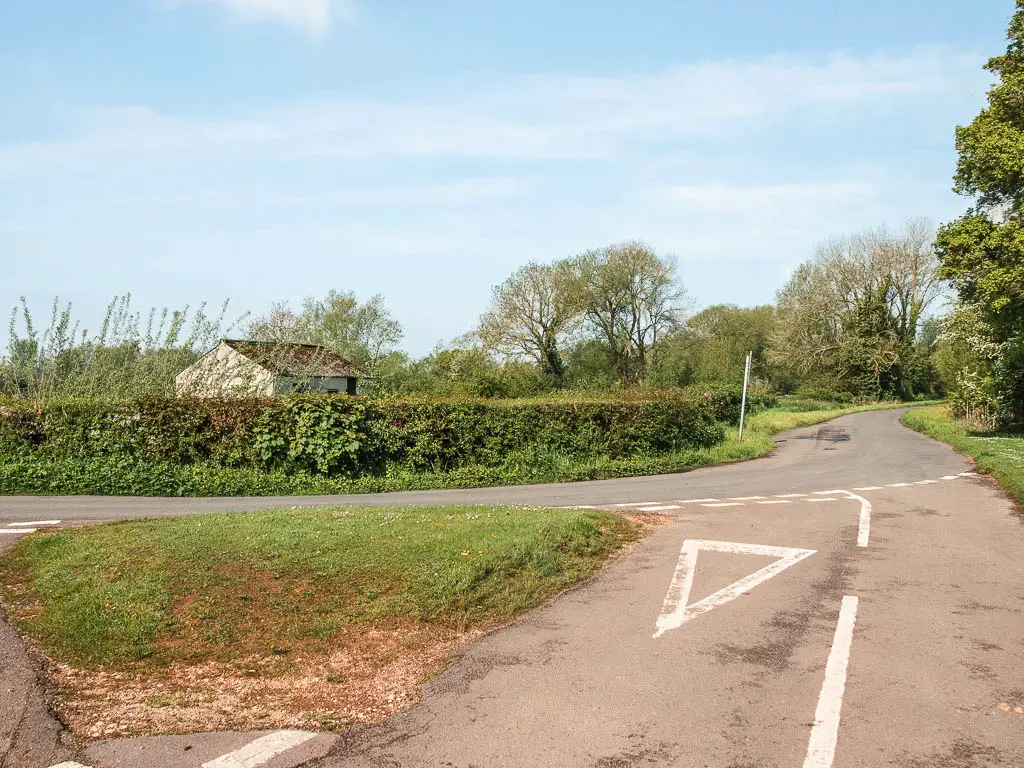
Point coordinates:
[(897, 485), (949, 477), (828, 493), (261, 751), (17, 530), (926, 482), (776, 501), (820, 501), (69, 765), (746, 498), (864, 526), (966, 474), (821, 751), (37, 522), (639, 504), (724, 504), (869, 488), (790, 495), (674, 610), (660, 508), (695, 501)]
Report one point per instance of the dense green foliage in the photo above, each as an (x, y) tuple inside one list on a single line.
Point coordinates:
[(982, 253), (348, 438), (223, 586)]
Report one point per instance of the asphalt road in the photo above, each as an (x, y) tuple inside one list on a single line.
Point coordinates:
[(856, 600)]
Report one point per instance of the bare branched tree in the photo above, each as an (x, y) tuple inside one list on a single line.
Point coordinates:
[(630, 297), (854, 309), (530, 315)]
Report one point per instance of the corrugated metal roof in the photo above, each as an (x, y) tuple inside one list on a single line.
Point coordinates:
[(288, 359)]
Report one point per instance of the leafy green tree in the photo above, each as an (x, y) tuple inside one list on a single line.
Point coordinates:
[(713, 344), (363, 332), (982, 253), (631, 299)]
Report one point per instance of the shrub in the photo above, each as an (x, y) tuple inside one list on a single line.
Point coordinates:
[(341, 437), (725, 400)]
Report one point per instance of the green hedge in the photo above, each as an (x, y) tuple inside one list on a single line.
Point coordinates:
[(334, 437), (725, 400)]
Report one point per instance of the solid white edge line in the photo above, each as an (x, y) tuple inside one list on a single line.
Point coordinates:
[(639, 504), (746, 498), (827, 493), (869, 488), (926, 482), (820, 501), (821, 749), (949, 477), (864, 526), (660, 509), (35, 522), (790, 495), (897, 485), (16, 531), (261, 750), (69, 765)]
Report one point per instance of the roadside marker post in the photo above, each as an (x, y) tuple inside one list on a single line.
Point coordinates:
[(743, 403)]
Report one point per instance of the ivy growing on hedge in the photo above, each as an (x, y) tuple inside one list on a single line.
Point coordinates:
[(349, 437)]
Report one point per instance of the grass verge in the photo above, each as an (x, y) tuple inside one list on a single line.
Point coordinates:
[(998, 454), (116, 476), (298, 618)]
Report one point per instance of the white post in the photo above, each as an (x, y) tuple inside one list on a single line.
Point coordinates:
[(743, 404)]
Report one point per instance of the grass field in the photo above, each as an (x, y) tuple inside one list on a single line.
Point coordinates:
[(294, 617), (1000, 455)]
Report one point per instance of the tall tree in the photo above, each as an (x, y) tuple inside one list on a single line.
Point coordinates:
[(364, 332), (982, 253), (850, 315), (531, 315), (630, 298)]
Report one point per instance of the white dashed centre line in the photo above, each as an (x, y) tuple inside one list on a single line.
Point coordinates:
[(746, 498), (926, 482), (724, 504), (821, 751), (695, 501), (34, 523), (776, 501), (261, 751), (897, 485), (869, 488), (820, 501), (15, 531), (661, 508), (790, 495)]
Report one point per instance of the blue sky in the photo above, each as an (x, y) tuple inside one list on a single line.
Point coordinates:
[(264, 150)]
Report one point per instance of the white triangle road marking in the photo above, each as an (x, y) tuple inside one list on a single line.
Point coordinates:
[(675, 612), (261, 751)]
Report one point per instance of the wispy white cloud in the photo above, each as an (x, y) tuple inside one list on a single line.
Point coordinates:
[(745, 163), (536, 118), (312, 16)]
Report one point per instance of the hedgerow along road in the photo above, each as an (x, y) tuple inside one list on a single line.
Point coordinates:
[(856, 599)]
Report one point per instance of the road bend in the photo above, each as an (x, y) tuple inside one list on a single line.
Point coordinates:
[(855, 600)]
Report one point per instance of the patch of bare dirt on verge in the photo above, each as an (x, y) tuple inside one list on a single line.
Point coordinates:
[(372, 673)]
